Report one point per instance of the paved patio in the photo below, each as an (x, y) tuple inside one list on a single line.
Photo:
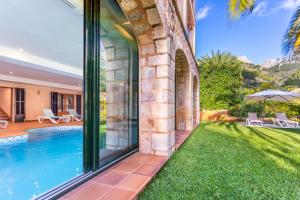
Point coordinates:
[(270, 125), (125, 180), (15, 129)]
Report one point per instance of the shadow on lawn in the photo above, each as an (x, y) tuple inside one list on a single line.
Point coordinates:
[(269, 145), (287, 132)]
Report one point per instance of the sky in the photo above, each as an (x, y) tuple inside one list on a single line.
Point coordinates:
[(257, 37)]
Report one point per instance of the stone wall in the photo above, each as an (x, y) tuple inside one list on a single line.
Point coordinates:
[(160, 35)]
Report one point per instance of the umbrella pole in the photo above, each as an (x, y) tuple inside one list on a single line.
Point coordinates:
[(264, 108)]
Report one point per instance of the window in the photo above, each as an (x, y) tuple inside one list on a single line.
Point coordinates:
[(41, 72), (46, 77), (118, 85)]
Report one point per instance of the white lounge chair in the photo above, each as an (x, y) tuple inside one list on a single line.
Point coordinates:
[(3, 123), (253, 120), (49, 115), (75, 115), (282, 120)]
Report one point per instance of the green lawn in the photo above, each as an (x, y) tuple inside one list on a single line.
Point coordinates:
[(229, 161)]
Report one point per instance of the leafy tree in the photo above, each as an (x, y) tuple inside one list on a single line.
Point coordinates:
[(293, 80), (291, 39), (220, 81)]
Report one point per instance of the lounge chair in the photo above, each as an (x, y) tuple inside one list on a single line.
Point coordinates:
[(49, 115), (253, 120), (3, 123), (282, 120), (75, 115)]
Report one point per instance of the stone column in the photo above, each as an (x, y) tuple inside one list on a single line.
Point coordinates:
[(157, 96)]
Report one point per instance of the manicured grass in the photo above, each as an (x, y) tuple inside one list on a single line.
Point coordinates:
[(230, 161)]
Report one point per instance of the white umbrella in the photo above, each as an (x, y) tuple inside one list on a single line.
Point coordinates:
[(273, 95)]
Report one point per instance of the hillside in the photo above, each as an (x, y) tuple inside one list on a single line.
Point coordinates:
[(285, 73)]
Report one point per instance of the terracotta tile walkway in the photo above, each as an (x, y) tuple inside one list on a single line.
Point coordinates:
[(125, 180), (121, 182), (180, 137), (15, 129)]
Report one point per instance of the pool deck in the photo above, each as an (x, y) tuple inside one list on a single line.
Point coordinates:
[(15, 129), (127, 179)]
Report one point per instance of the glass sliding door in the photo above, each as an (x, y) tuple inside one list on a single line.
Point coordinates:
[(118, 84), (46, 50), (41, 60)]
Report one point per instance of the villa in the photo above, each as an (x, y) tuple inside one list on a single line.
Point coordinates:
[(24, 93), (127, 66)]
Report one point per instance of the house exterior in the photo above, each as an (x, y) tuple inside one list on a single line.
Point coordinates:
[(169, 77), (127, 65)]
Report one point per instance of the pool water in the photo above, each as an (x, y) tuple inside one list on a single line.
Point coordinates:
[(40, 161)]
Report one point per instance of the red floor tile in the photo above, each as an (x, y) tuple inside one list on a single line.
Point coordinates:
[(134, 182), (127, 167), (159, 160), (111, 178), (140, 158), (125, 180), (92, 192), (119, 194), (147, 170)]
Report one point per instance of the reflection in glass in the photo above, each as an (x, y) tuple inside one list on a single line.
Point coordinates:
[(41, 75), (118, 85)]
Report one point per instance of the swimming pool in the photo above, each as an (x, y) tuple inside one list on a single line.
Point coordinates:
[(32, 164)]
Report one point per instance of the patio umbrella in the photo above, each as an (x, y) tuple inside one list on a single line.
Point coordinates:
[(273, 95)]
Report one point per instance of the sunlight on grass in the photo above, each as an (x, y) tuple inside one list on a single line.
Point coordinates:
[(279, 145), (229, 161)]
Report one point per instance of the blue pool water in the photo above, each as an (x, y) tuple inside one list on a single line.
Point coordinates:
[(33, 164)]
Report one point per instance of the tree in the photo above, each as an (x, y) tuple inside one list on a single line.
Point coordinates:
[(293, 80), (291, 39), (220, 81)]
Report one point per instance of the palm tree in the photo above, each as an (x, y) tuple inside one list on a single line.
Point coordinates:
[(291, 39)]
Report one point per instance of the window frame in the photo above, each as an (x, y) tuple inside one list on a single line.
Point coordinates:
[(91, 105)]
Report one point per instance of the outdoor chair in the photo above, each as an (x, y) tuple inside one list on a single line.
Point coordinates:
[(49, 115), (282, 120), (3, 123), (74, 115), (253, 120)]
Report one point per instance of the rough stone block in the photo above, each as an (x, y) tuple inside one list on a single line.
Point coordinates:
[(153, 16), (159, 32), (162, 71), (121, 53), (121, 74), (128, 5), (148, 49), (148, 72), (110, 53), (162, 45), (161, 59), (161, 142), (117, 64), (147, 3)]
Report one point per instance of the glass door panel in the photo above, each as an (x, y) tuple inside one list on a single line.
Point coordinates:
[(41, 50), (118, 84)]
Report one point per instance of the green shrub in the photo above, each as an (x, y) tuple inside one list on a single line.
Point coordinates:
[(242, 110), (220, 81)]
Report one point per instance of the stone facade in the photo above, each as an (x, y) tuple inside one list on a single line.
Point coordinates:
[(168, 79)]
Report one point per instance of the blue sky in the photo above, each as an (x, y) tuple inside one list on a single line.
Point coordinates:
[(258, 37)]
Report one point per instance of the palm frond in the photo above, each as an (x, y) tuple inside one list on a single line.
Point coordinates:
[(291, 39), (238, 8)]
